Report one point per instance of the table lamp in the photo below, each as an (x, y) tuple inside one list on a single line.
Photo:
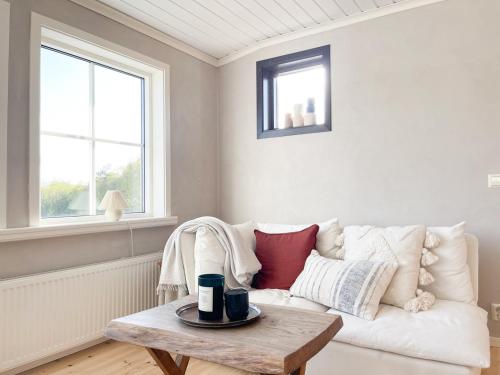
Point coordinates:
[(113, 202)]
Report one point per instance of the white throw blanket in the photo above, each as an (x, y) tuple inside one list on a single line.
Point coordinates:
[(239, 267)]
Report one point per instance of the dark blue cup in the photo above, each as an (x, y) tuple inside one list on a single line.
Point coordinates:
[(236, 301)]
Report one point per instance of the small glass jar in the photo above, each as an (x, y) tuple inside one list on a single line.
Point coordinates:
[(210, 296)]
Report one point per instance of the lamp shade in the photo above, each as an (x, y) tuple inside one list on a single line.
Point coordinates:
[(113, 200)]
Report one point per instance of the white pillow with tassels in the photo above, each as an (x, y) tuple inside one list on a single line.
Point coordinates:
[(402, 245), (451, 273)]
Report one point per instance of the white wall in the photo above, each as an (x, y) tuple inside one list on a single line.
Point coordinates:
[(416, 126), (4, 63), (193, 86)]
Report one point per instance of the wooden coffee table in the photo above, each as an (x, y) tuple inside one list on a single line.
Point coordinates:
[(280, 342)]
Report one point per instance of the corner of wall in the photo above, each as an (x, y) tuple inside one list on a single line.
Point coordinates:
[(218, 166)]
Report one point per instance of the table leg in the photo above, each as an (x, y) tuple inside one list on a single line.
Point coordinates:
[(167, 364), (300, 371)]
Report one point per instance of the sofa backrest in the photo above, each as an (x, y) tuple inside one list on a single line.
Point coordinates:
[(187, 248)]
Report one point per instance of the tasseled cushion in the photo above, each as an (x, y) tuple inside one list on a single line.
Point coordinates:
[(431, 240), (340, 253), (339, 241), (422, 302), (428, 257), (425, 277)]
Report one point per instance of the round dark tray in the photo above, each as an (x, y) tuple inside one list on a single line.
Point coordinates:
[(188, 314)]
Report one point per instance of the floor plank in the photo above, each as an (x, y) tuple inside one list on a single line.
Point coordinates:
[(115, 358), (495, 363), (112, 358)]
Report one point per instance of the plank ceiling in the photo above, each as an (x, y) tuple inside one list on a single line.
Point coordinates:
[(222, 28)]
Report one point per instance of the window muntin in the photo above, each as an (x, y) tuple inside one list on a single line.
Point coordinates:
[(92, 135)]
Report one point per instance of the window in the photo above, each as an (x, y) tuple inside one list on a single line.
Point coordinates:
[(94, 116), (293, 94), (99, 124)]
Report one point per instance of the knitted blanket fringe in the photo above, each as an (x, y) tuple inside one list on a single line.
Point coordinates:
[(170, 287)]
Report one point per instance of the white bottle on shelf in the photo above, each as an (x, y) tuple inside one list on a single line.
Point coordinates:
[(310, 116), (297, 119), (288, 121)]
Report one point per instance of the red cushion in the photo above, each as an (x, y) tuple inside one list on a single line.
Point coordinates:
[(282, 256)]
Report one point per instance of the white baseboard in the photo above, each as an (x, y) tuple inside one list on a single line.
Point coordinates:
[(495, 341)]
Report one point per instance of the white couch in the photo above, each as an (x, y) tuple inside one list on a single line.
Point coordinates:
[(450, 339)]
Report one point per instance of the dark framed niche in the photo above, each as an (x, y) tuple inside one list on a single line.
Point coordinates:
[(278, 99)]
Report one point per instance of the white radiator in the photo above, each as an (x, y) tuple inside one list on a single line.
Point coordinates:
[(46, 314)]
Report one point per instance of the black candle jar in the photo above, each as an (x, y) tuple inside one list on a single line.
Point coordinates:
[(210, 296), (236, 301)]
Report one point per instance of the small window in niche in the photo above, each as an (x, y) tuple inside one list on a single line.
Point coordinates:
[(293, 94)]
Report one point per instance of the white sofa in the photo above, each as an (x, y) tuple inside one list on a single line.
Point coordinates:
[(450, 339)]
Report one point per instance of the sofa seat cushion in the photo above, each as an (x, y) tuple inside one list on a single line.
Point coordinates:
[(452, 332), (283, 298)]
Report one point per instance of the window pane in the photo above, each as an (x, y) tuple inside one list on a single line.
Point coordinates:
[(118, 106), (64, 93), (119, 167), (298, 88), (64, 176)]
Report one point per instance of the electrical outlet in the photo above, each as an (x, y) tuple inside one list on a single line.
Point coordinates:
[(494, 180), (495, 311)]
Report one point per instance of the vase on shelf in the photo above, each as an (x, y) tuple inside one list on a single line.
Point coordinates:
[(288, 121), (297, 119), (310, 116)]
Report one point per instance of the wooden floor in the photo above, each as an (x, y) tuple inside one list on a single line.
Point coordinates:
[(495, 363), (122, 359), (114, 358)]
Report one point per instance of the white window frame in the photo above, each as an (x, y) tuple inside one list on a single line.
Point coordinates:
[(4, 92), (58, 47), (157, 113)]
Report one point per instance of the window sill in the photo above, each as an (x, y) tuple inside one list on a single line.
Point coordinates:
[(306, 129), (71, 229)]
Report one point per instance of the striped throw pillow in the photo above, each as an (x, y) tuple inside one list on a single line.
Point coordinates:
[(354, 287)]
